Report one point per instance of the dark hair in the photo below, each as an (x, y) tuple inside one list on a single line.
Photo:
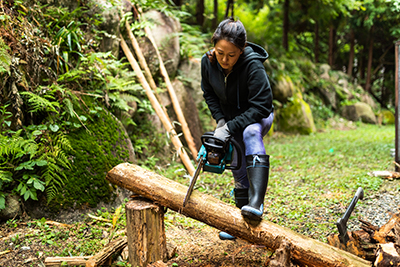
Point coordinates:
[(231, 31)]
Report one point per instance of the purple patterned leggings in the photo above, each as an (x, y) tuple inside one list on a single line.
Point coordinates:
[(251, 143)]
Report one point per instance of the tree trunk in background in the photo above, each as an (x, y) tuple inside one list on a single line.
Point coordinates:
[(351, 54), (285, 25), (215, 19), (331, 45), (200, 12), (370, 54), (177, 2), (229, 5), (316, 42)]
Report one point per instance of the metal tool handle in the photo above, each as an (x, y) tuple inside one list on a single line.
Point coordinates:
[(359, 195), (239, 156)]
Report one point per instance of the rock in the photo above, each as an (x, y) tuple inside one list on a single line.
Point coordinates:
[(165, 33), (359, 111), (386, 117), (366, 98), (295, 117), (12, 208), (329, 95), (190, 72), (283, 89), (324, 69)]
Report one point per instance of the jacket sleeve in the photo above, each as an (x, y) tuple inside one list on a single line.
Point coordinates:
[(259, 98), (209, 95)]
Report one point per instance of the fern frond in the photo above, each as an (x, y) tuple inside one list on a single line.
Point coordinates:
[(39, 103)]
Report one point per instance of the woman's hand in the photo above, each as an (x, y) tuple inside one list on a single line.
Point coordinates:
[(222, 133)]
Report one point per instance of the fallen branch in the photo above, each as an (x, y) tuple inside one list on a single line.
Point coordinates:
[(90, 261)]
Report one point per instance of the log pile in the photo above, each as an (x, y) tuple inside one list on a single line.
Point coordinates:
[(381, 245)]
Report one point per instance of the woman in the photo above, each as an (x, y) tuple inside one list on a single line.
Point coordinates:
[(238, 93)]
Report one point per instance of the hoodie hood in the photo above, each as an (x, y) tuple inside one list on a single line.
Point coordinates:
[(252, 52)]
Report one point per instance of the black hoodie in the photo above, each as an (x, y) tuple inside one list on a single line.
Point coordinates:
[(243, 96)]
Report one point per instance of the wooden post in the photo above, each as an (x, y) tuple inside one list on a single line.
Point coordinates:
[(145, 231), (225, 217), (397, 117)]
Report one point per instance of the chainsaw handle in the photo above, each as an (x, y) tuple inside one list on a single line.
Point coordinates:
[(239, 156), (220, 144)]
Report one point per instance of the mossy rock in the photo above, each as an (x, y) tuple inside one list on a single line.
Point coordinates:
[(386, 117), (296, 117), (96, 151)]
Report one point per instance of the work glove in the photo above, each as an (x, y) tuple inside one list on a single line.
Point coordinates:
[(222, 133), (220, 123)]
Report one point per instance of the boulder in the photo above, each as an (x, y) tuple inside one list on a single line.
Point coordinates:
[(191, 114), (295, 117), (359, 111), (12, 208), (190, 74), (386, 117), (165, 31), (99, 146), (324, 70), (283, 89)]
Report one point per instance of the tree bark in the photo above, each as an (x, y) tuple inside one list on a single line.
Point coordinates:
[(229, 6), (200, 12), (225, 217), (145, 231), (331, 45), (351, 54), (215, 19), (316, 42), (370, 54), (285, 41)]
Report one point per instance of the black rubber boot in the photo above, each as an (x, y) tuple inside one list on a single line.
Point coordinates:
[(241, 199), (257, 173)]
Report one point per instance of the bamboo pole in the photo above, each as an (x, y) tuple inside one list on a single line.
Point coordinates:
[(157, 107), (225, 217), (174, 99)]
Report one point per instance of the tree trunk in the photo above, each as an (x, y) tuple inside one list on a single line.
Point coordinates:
[(351, 54), (285, 42), (225, 217), (215, 19), (145, 231), (229, 5), (200, 12), (370, 54), (316, 42), (331, 45)]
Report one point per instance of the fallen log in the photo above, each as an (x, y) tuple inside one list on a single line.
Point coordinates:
[(225, 217)]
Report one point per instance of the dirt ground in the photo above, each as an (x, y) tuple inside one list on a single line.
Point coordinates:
[(186, 247)]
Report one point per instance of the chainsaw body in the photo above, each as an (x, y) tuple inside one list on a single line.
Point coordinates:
[(215, 155)]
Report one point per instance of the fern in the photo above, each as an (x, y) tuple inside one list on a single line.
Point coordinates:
[(39, 103), (57, 161), (12, 149)]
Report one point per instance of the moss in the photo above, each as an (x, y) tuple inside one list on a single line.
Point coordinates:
[(95, 153), (5, 58), (296, 117)]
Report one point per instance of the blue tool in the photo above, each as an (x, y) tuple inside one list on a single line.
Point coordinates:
[(215, 156)]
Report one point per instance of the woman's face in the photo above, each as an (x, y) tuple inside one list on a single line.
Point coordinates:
[(227, 54)]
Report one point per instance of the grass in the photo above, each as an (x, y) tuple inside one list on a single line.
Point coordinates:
[(313, 177)]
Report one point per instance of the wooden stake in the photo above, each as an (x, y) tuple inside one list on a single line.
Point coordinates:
[(145, 231), (174, 99), (225, 217), (157, 107)]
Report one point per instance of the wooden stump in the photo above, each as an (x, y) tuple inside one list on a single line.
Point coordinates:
[(145, 231)]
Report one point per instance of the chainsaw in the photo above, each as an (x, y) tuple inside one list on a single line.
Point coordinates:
[(215, 155)]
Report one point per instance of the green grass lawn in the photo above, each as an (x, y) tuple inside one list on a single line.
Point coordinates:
[(313, 177)]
